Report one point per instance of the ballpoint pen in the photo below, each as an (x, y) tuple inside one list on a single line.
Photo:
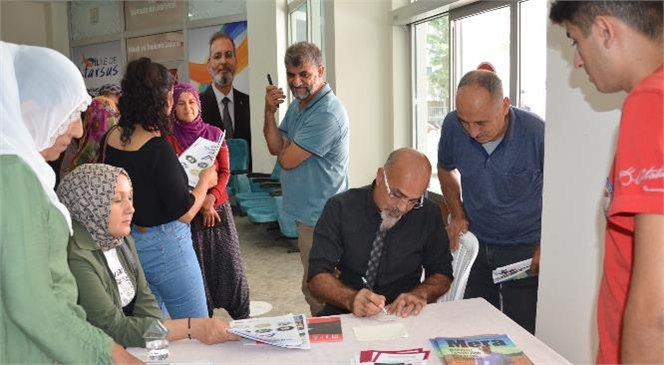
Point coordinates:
[(366, 285)]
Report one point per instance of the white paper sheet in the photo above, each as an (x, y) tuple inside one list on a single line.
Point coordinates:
[(381, 332)]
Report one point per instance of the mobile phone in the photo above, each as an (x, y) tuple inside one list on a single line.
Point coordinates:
[(269, 81)]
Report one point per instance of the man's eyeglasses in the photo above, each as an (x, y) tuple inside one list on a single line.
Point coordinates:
[(411, 203)]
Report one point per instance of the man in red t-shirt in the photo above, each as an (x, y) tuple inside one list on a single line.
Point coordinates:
[(620, 46)]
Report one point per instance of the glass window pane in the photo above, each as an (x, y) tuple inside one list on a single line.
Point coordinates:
[(533, 56), (432, 87), (298, 24), (483, 37), (204, 9), (94, 18), (150, 14), (316, 20)]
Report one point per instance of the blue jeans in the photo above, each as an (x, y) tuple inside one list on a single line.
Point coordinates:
[(167, 255), (517, 299)]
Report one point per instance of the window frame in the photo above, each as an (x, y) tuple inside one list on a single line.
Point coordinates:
[(418, 12)]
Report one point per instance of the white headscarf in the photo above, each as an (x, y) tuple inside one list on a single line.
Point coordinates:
[(42, 91)]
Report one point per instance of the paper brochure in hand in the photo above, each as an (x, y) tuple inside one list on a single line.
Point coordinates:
[(515, 271), (199, 156)]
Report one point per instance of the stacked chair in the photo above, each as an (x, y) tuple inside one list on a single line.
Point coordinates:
[(257, 195), (238, 150), (260, 187), (462, 261)]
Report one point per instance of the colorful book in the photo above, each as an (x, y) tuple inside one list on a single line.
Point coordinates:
[(325, 329), (479, 350)]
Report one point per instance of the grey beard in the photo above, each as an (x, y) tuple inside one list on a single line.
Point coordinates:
[(222, 80), (388, 220)]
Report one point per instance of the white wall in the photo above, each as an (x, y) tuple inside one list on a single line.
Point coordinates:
[(36, 23), (363, 81), (266, 29), (581, 125)]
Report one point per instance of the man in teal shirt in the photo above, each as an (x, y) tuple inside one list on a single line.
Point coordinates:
[(311, 145)]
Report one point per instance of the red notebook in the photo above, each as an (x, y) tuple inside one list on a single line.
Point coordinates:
[(325, 329)]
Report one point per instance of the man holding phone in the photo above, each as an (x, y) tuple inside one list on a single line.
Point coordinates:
[(311, 145)]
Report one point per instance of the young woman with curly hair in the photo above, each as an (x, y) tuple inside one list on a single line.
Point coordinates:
[(164, 204)]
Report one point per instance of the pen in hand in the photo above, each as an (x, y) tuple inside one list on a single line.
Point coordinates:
[(366, 285)]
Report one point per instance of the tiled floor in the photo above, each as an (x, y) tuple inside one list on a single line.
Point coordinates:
[(273, 273)]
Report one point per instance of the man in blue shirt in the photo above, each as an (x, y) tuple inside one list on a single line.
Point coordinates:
[(311, 145), (498, 151)]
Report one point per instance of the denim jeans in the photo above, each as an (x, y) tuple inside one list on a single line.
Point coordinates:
[(167, 255), (517, 299)]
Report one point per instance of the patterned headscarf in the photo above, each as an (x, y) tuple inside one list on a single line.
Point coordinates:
[(88, 194), (101, 115), (110, 89), (188, 133)]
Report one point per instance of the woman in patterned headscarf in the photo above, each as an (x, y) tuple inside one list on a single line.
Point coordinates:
[(101, 115), (213, 229), (111, 91), (102, 256)]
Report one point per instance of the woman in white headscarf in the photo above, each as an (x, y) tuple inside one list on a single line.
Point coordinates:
[(42, 96)]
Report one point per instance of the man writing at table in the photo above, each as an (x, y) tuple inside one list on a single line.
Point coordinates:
[(385, 233)]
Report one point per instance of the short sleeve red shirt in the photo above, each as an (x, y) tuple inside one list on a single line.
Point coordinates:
[(634, 186)]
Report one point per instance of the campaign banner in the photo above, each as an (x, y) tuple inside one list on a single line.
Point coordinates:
[(199, 50)]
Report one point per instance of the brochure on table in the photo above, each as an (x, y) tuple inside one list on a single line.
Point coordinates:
[(288, 331)]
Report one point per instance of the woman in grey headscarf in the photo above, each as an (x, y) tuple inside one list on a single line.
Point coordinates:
[(41, 322), (102, 256)]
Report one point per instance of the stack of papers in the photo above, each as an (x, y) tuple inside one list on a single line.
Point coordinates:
[(289, 331), (417, 356)]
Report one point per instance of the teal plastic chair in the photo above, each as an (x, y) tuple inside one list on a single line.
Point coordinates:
[(287, 225), (260, 186), (238, 151), (263, 211)]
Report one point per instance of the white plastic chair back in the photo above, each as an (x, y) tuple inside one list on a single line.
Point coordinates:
[(463, 260)]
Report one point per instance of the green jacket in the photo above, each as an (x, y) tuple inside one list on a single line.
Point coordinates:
[(40, 321), (98, 290)]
